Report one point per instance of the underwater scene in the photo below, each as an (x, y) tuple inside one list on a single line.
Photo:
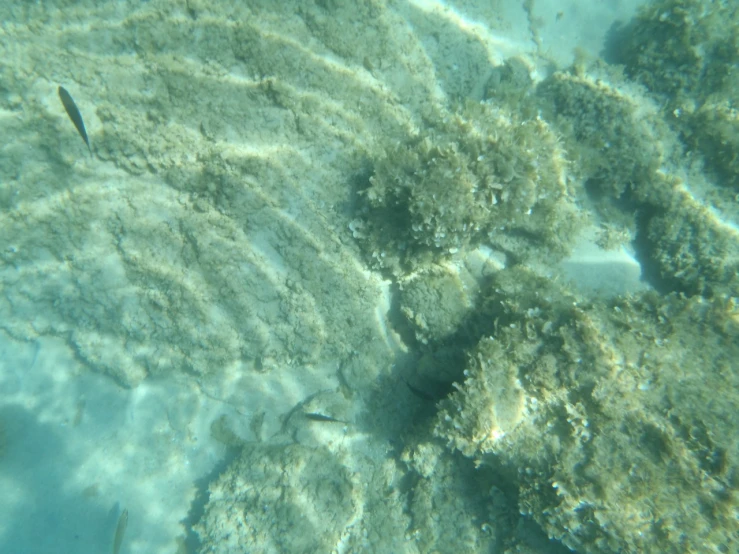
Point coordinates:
[(371, 276)]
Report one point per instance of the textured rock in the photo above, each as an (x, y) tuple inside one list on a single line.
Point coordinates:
[(616, 421)]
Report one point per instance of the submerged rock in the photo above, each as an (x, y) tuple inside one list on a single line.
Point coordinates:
[(616, 421)]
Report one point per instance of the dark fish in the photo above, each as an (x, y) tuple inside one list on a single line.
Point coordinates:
[(74, 114), (321, 417), (120, 531)]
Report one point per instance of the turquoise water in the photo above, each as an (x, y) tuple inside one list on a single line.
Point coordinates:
[(368, 277)]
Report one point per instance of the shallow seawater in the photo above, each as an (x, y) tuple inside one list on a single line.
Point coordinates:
[(377, 276)]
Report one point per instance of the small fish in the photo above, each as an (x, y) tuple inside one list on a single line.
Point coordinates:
[(120, 530), (74, 114), (321, 417)]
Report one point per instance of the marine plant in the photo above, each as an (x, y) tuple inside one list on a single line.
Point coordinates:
[(483, 174)]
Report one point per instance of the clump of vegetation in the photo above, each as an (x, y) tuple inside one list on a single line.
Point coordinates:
[(686, 51), (480, 175), (680, 48), (611, 136), (693, 250), (714, 131)]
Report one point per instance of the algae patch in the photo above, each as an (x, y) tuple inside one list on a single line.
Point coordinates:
[(483, 175)]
